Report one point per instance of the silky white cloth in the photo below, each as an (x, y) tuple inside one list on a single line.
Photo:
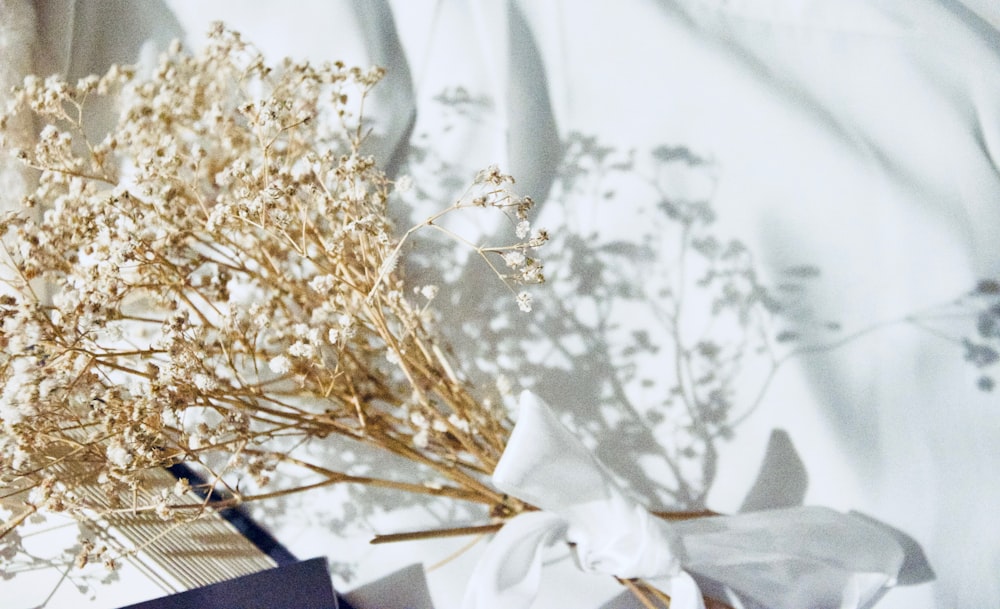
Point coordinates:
[(783, 559), (856, 136), (546, 466), (17, 34)]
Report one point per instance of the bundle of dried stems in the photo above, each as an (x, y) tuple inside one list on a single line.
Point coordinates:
[(215, 280), (218, 274)]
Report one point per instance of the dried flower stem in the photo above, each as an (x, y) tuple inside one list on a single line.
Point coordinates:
[(215, 282), (642, 594), (493, 528)]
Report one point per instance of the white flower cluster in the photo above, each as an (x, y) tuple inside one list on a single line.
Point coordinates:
[(218, 274)]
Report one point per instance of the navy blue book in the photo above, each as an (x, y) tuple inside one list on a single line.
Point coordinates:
[(301, 585), (293, 584)]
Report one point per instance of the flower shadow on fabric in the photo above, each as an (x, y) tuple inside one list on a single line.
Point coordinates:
[(654, 336)]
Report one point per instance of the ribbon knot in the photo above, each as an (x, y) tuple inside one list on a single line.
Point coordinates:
[(616, 538), (783, 559)]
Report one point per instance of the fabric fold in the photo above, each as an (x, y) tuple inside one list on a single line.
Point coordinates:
[(509, 573), (784, 559), (795, 557)]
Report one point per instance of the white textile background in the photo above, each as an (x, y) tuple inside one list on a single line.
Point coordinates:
[(856, 141)]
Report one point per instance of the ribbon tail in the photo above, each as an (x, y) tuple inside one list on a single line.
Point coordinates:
[(509, 573), (683, 591), (795, 557)]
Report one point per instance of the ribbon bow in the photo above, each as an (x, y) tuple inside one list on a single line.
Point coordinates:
[(784, 559)]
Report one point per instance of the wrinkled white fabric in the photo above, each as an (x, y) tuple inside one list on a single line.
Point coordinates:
[(620, 537), (803, 557), (545, 465), (510, 574), (860, 137), (795, 557), (17, 32)]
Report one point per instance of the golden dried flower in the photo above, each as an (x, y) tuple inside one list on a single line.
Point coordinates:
[(217, 274)]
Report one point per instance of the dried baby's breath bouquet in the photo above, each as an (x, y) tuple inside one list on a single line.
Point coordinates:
[(216, 280)]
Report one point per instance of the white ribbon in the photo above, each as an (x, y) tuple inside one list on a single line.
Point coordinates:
[(794, 558)]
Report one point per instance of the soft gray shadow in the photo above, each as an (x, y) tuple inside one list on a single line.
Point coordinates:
[(533, 142), (782, 481), (975, 22), (403, 589), (625, 600), (77, 39), (81, 38), (654, 345), (392, 105)]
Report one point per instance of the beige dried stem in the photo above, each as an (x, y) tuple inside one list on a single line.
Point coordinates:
[(216, 282)]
